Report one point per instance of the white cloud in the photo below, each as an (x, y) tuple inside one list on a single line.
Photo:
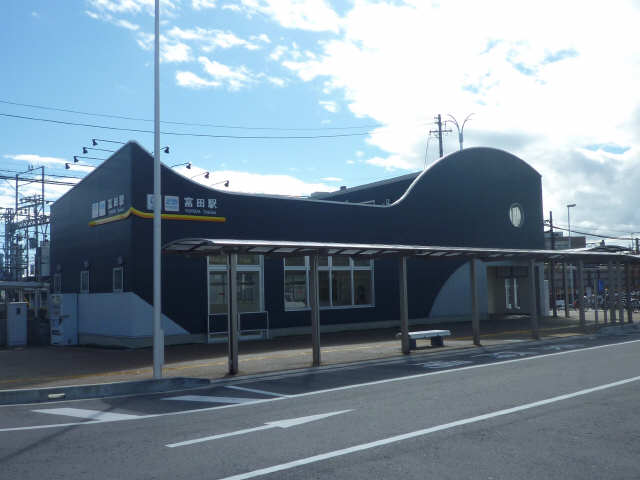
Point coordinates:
[(128, 25), (329, 105), (248, 182), (209, 39), (233, 8), (331, 179), (538, 92), (235, 78), (201, 4), (312, 15), (175, 52), (37, 160), (191, 80), (263, 37), (133, 6)]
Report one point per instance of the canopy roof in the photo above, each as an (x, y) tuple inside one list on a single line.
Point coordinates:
[(218, 246)]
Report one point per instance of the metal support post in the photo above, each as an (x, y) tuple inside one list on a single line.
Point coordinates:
[(612, 292), (627, 287), (581, 301), (475, 314), (564, 288), (158, 333), (552, 278), (595, 298), (232, 313), (533, 300), (404, 307), (314, 301), (621, 290)]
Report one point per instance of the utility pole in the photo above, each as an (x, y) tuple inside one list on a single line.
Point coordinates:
[(552, 267), (439, 132)]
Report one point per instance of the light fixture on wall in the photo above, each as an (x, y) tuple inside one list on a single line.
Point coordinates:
[(188, 164)]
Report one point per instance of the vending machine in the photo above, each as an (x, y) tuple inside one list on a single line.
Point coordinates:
[(16, 324), (63, 318)]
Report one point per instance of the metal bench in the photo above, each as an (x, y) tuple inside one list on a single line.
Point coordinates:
[(436, 336)]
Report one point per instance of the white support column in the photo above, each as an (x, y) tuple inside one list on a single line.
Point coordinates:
[(314, 301), (533, 300), (475, 314), (232, 313), (581, 293), (404, 305)]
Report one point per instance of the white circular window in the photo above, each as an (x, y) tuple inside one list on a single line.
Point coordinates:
[(516, 215)]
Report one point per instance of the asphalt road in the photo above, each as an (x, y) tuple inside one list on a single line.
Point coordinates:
[(562, 409)]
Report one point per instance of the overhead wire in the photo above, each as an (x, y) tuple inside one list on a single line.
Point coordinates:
[(188, 134), (192, 124)]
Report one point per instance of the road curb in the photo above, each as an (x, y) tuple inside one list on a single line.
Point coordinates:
[(77, 392)]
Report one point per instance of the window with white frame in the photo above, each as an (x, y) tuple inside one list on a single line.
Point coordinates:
[(342, 282), (249, 283), (512, 300), (118, 279), (84, 281)]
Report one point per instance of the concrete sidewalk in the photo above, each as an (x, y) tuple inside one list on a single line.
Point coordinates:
[(42, 367)]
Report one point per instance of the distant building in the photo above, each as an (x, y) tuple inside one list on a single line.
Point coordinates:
[(561, 242)]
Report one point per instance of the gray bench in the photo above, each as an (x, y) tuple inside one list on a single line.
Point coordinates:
[(436, 336)]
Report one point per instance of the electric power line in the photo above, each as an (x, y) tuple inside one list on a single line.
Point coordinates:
[(610, 237), (213, 125), (189, 134)]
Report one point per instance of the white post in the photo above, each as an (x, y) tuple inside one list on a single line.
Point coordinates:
[(158, 334)]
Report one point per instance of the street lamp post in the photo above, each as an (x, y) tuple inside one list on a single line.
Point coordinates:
[(569, 206), (569, 220), (460, 128), (158, 334)]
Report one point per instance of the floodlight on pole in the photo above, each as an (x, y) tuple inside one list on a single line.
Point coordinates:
[(76, 157), (225, 182), (206, 175), (85, 150), (163, 149), (460, 128), (68, 165), (94, 141), (569, 206), (188, 165), (158, 334)]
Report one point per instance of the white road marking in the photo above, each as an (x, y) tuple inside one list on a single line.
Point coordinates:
[(330, 390), (424, 431), (291, 422), (90, 414), (444, 364), (253, 390), (506, 354), (211, 399)]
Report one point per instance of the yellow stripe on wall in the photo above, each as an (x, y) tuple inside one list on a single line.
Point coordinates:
[(165, 216)]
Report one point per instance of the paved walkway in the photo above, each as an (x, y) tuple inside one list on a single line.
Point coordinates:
[(36, 367)]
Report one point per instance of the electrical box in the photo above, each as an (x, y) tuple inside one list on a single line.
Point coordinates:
[(63, 318), (17, 324)]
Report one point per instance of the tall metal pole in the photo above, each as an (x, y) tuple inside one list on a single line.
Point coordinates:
[(158, 334), (569, 220), (404, 308), (475, 314)]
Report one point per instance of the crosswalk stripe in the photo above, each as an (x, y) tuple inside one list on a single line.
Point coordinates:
[(90, 414), (209, 399)]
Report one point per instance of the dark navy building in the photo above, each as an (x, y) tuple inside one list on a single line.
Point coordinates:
[(101, 248)]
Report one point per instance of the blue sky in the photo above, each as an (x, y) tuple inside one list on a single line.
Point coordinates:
[(558, 90)]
